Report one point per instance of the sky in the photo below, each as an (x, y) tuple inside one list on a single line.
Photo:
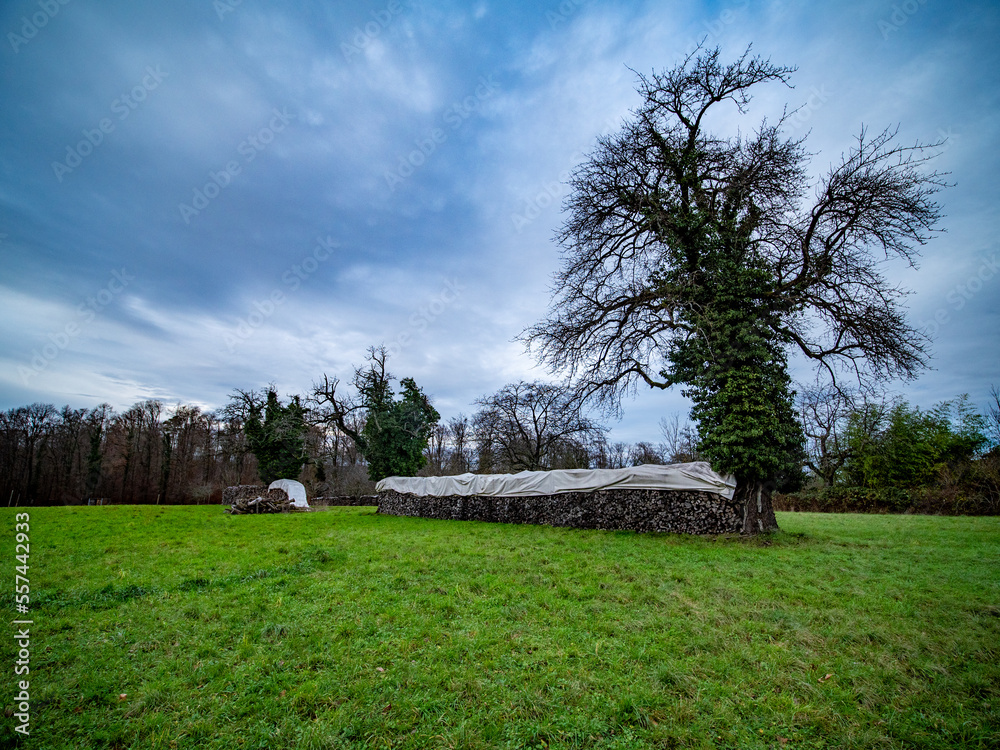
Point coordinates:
[(200, 195)]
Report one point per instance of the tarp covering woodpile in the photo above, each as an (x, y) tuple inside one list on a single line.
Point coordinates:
[(682, 498), (697, 476)]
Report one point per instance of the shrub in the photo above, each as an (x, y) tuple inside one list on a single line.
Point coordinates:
[(969, 499)]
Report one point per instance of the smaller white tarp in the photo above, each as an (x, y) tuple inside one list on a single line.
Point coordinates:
[(295, 491), (697, 476)]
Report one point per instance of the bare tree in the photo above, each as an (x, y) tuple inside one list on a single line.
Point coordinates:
[(618, 454), (98, 420), (645, 452), (342, 409), (394, 434), (827, 411), (993, 418), (680, 440), (525, 425), (437, 451), (460, 430), (700, 260), (135, 451)]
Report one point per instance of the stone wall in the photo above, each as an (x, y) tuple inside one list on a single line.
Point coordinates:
[(683, 512)]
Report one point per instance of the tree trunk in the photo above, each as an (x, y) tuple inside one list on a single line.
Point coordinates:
[(755, 501)]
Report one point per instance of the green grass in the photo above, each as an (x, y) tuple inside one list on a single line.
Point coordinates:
[(346, 629)]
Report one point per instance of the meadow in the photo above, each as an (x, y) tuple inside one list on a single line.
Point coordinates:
[(183, 627)]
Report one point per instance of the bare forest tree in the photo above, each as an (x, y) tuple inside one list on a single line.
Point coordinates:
[(618, 455), (394, 433), (701, 260), (529, 426), (993, 417), (827, 413), (73, 456), (437, 452), (645, 452), (680, 440), (460, 460), (450, 449), (150, 453)]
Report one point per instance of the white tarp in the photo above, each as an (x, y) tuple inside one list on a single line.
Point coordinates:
[(692, 476), (295, 491)]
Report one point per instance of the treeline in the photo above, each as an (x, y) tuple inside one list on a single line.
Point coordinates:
[(142, 455), (860, 453), (149, 454), (866, 453)]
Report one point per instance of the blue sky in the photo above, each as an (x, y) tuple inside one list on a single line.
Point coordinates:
[(197, 196)]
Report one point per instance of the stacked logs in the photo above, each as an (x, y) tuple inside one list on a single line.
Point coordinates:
[(677, 511), (250, 498), (353, 500)]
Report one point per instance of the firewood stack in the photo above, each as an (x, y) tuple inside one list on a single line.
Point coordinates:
[(248, 498), (354, 500), (677, 511)]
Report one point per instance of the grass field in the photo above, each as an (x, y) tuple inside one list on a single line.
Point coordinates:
[(182, 627)]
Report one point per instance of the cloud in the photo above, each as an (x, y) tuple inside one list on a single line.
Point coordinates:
[(364, 86)]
